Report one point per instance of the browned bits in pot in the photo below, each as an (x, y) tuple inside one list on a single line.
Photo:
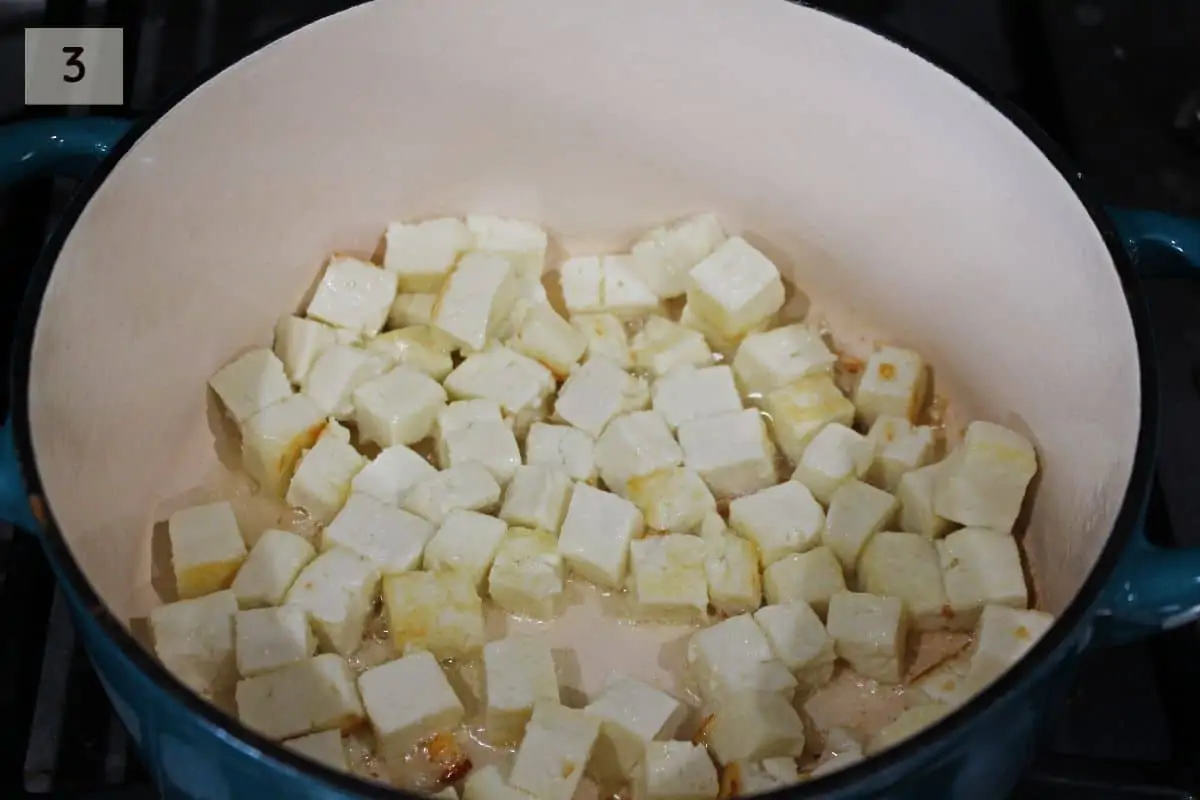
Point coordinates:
[(731, 781), (443, 750), (701, 734)]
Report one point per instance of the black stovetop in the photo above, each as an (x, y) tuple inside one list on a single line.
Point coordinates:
[(1117, 82)]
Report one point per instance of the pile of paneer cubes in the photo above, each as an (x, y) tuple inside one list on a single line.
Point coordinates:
[(704, 465)]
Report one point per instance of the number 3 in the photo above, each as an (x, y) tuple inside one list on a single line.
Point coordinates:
[(73, 54)]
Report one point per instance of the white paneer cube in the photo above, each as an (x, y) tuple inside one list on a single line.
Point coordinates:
[(273, 440), (520, 385), (745, 778), (754, 725), (634, 714), (870, 632), (526, 578), (325, 748), (662, 346), (316, 694), (606, 338), (596, 535), (271, 638), (676, 771), (780, 520), (893, 382), (412, 347), (391, 539), (475, 299), (910, 722), (725, 345), (436, 611), (981, 567), (766, 361), (906, 565), (550, 340), (1004, 635), (799, 640), (519, 673), (666, 254), (353, 294), (492, 445), (398, 407), (422, 254), (335, 375), (731, 564), (271, 568), (688, 394), (298, 342), (250, 383), (563, 447), (597, 392), (734, 656), (800, 409), (900, 447), (487, 783), (537, 498), (668, 578), (857, 511), (412, 309), (735, 288), (672, 499), (194, 639), (948, 683), (322, 480), (633, 445), (843, 749), (207, 548), (336, 590), (558, 744), (837, 454), (391, 474), (408, 700), (605, 284), (915, 493), (459, 415), (469, 487), (732, 452), (466, 543), (521, 242), (812, 577), (983, 483)]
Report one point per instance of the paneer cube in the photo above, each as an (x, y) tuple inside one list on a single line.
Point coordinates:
[(981, 567), (766, 361), (436, 611), (688, 394), (597, 392), (194, 639), (666, 254), (900, 447), (465, 543), (422, 254), (906, 565), (732, 452), (337, 591), (519, 673), (606, 338), (725, 345), (745, 778), (669, 582), (459, 415), (407, 701), (557, 746), (486, 783), (391, 539), (322, 480), (563, 447), (634, 714), (412, 309), (672, 499), (983, 483), (780, 520), (207, 548), (731, 564), (812, 577), (676, 771), (469, 487), (662, 346), (521, 242), (250, 383), (1004, 635), (948, 683), (271, 638), (298, 342), (634, 445), (596, 535), (800, 409), (537, 498), (520, 385), (398, 407), (549, 340), (411, 347), (799, 640), (857, 511), (870, 632), (391, 474), (335, 375), (843, 749), (354, 295), (271, 568), (915, 493), (755, 725), (324, 747), (475, 299), (734, 656), (492, 445), (527, 574), (910, 722), (837, 454), (605, 284), (894, 383), (735, 288), (273, 440), (316, 694)]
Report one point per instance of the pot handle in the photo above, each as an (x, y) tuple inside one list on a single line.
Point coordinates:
[(1153, 588), (33, 149)]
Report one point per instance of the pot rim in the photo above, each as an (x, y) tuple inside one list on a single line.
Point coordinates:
[(950, 728)]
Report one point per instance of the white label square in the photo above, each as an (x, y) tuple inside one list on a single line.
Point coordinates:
[(74, 67)]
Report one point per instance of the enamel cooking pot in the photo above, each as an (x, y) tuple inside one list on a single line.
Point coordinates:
[(944, 219)]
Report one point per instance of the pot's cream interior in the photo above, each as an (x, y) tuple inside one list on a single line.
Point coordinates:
[(900, 201)]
